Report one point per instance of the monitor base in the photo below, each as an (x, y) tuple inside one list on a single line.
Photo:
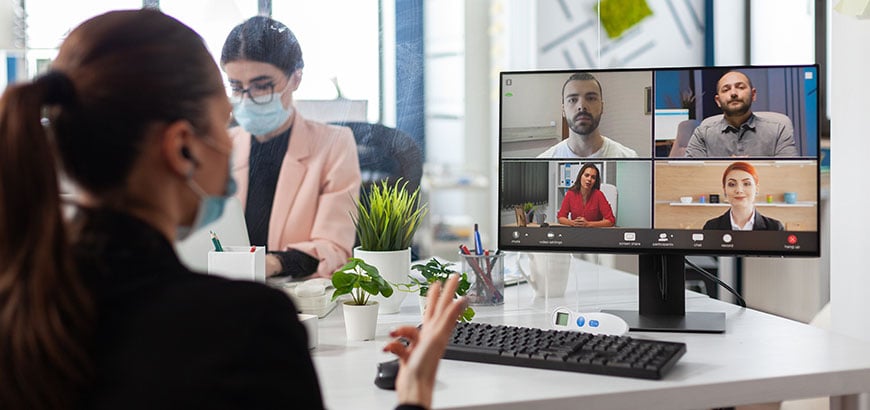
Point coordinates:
[(692, 322)]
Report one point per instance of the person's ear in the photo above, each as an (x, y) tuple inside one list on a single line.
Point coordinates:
[(177, 148), (295, 80), (754, 94), (718, 103)]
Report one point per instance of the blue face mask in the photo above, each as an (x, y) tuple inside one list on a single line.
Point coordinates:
[(261, 119), (211, 207)]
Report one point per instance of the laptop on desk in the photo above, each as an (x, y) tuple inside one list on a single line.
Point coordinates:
[(230, 229)]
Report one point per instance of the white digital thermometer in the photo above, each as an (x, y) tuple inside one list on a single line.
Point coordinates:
[(590, 322)]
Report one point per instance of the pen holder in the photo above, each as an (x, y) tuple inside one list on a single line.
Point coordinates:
[(486, 274), (239, 262)]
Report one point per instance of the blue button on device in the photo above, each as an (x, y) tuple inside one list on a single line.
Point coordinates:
[(593, 323), (581, 321)]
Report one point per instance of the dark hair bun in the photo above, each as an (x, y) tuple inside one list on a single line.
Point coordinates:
[(59, 89), (264, 40)]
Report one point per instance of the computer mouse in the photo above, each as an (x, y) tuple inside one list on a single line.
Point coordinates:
[(387, 372)]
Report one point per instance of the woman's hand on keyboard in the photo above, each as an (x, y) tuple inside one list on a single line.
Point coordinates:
[(423, 348)]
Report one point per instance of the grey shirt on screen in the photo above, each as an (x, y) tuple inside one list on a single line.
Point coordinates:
[(759, 136)]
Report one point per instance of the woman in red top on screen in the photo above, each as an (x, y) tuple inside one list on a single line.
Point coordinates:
[(584, 204)]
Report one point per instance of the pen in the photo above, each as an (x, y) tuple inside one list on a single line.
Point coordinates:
[(477, 245), (488, 264), (216, 242)]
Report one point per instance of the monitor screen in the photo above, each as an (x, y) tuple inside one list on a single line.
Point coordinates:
[(677, 165), (662, 163)]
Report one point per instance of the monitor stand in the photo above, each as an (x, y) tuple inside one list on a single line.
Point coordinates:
[(662, 299)]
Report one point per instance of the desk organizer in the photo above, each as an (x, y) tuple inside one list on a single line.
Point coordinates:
[(239, 262)]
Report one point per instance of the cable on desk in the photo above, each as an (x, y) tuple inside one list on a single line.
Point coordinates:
[(710, 276)]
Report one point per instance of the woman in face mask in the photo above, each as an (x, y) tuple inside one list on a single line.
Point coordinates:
[(297, 178), (99, 313)]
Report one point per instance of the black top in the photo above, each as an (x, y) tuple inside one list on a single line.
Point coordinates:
[(264, 167), (168, 338), (762, 223)]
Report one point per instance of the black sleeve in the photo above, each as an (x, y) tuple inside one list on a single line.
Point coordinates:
[(277, 366), (296, 264)]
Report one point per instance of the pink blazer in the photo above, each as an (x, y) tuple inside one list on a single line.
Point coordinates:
[(317, 189)]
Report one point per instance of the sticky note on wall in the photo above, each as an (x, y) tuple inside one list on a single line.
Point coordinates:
[(617, 16), (857, 8)]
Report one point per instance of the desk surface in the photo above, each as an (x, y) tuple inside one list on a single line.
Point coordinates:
[(760, 358)]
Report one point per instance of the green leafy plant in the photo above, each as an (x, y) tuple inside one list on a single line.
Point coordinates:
[(360, 280), (528, 206), (388, 216), (433, 271)]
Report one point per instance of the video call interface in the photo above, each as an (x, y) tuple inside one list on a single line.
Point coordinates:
[(715, 160)]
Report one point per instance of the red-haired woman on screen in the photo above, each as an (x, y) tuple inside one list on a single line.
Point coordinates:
[(740, 188)]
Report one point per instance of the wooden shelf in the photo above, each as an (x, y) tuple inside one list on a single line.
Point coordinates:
[(802, 204)]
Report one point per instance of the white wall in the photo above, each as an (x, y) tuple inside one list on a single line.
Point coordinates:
[(729, 32), (850, 145), (634, 182), (7, 20), (787, 37)]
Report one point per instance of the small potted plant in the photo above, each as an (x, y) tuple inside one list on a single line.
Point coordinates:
[(433, 271), (529, 210), (361, 281), (386, 219)]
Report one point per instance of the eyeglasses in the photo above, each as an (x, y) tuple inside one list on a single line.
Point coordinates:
[(259, 93)]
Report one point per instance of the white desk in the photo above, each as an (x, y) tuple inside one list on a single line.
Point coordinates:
[(761, 358)]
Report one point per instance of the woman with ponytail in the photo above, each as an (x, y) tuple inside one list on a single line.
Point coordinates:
[(97, 311), (46, 312)]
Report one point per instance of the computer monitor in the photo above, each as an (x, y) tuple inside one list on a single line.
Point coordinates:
[(738, 174)]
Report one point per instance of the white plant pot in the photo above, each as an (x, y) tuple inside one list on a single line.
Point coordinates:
[(394, 266), (423, 300), (360, 321)]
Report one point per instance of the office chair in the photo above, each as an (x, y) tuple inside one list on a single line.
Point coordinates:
[(684, 133), (611, 194), (386, 153)]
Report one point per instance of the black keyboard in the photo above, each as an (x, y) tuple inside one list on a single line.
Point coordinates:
[(563, 350)]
